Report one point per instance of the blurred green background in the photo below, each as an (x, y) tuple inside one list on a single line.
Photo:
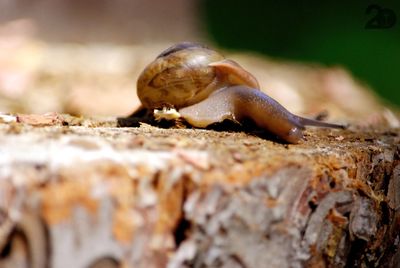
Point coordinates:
[(332, 33)]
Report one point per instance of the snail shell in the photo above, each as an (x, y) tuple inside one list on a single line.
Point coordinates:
[(186, 74)]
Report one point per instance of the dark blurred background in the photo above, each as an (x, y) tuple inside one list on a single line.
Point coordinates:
[(362, 36), (58, 55)]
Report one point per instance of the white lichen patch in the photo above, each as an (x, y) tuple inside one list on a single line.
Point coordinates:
[(166, 113)]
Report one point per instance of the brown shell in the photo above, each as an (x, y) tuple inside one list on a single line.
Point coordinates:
[(179, 79)]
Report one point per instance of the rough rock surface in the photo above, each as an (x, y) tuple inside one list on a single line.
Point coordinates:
[(81, 192)]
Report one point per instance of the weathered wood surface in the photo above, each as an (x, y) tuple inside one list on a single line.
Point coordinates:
[(85, 193)]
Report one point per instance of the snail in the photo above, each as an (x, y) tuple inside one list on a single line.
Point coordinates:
[(198, 84)]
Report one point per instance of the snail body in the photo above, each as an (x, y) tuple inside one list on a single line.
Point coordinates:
[(206, 88)]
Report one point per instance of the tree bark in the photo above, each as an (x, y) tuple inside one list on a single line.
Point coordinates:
[(85, 193)]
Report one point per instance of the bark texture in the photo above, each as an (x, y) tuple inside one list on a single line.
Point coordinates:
[(78, 192)]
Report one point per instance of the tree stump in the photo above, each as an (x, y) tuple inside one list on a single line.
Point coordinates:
[(78, 192)]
